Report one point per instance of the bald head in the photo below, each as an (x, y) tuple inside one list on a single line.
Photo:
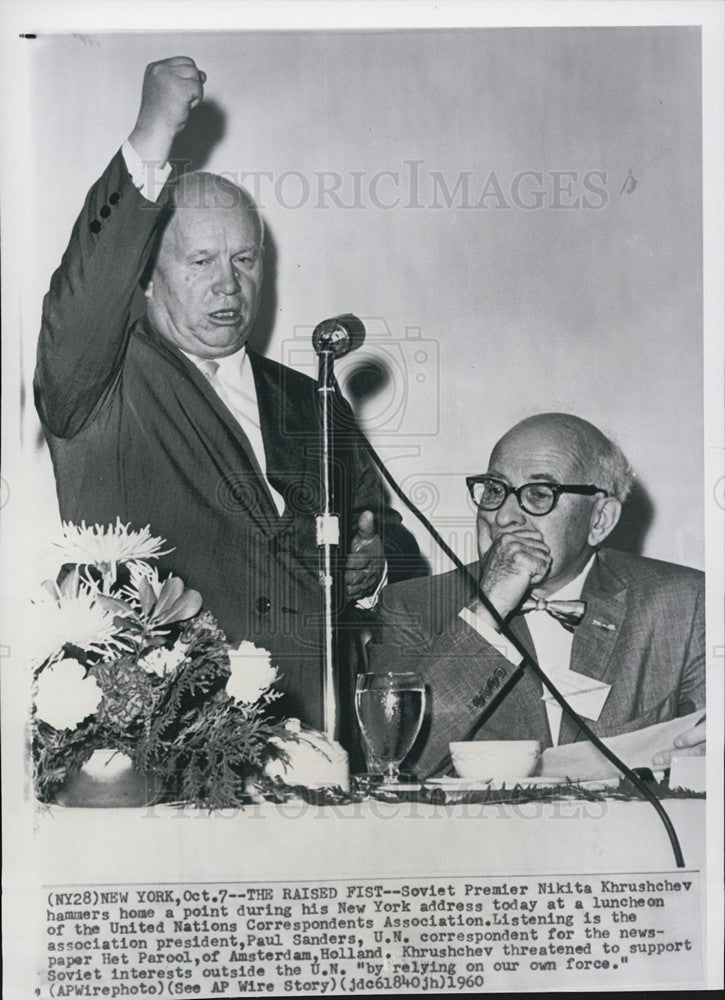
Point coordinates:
[(205, 288), (202, 191), (593, 457)]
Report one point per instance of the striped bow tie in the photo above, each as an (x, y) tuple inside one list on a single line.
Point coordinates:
[(568, 613)]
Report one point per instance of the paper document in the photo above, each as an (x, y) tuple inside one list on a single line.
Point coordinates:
[(581, 760), (585, 694)]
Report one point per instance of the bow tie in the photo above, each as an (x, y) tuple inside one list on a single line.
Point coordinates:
[(567, 613)]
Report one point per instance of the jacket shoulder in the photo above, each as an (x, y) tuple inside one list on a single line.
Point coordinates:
[(655, 571), (437, 597)]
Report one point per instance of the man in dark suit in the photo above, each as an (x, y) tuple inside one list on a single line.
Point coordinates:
[(552, 494), (167, 419)]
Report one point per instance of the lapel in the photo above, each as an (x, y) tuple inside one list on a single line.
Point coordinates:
[(263, 510), (288, 431), (528, 709), (605, 593)]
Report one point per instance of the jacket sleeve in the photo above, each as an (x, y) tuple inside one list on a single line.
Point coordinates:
[(460, 669), (368, 493), (87, 313), (692, 685)]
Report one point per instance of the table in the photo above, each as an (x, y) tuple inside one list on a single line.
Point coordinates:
[(369, 838), (549, 846)]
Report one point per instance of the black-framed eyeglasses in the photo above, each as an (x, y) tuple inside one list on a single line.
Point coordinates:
[(537, 499)]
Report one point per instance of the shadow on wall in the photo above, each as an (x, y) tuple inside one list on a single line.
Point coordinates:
[(636, 520), (365, 381), (205, 130)]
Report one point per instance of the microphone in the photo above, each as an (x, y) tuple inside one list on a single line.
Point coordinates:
[(339, 335)]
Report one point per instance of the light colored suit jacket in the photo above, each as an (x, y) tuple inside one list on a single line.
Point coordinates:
[(643, 633)]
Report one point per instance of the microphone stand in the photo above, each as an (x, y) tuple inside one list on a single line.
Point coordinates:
[(328, 540), (333, 338)]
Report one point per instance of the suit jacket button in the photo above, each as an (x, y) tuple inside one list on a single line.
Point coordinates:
[(105, 212), (114, 198), (95, 226), (263, 605)]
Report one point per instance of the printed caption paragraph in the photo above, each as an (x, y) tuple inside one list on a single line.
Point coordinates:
[(391, 935)]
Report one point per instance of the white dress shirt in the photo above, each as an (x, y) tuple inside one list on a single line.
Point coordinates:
[(149, 178)]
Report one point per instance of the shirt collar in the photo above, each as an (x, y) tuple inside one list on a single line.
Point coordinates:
[(231, 365)]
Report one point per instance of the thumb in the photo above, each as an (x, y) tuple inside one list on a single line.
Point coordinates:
[(366, 525)]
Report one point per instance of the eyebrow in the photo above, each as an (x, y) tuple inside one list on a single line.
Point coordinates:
[(250, 248)]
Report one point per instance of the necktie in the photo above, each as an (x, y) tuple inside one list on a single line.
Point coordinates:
[(209, 368), (567, 613)]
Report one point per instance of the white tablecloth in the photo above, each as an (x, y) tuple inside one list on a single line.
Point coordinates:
[(367, 839)]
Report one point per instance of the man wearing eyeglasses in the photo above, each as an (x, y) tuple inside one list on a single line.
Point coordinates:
[(620, 635)]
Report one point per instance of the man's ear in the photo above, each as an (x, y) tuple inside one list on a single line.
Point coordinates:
[(603, 521)]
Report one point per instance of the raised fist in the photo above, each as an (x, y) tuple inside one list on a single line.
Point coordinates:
[(171, 88)]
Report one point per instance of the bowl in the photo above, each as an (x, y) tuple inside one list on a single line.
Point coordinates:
[(495, 758)]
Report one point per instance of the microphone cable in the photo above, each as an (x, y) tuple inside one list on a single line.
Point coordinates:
[(528, 659)]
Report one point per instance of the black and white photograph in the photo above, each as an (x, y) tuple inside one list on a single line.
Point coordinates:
[(363, 478)]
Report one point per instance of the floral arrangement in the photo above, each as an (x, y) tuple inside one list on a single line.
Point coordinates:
[(126, 660)]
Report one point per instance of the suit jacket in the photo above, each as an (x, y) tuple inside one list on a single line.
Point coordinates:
[(136, 431), (643, 633)]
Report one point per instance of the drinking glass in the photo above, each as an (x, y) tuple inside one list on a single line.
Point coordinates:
[(390, 711)]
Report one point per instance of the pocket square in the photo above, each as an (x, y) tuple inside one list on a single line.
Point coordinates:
[(585, 694)]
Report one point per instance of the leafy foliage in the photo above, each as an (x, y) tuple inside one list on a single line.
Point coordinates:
[(162, 668)]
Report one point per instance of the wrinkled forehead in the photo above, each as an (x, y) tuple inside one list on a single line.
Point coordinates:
[(540, 452)]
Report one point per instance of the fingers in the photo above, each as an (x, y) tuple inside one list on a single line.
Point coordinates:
[(691, 737), (365, 531), (176, 61), (183, 66), (520, 552), (663, 758), (360, 585), (525, 533), (691, 743), (366, 560), (173, 83)]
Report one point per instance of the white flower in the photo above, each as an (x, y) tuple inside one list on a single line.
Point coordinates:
[(104, 546), (252, 672), (65, 696), (71, 616), (164, 661)]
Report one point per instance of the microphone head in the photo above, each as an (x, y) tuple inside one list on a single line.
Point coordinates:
[(339, 335)]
